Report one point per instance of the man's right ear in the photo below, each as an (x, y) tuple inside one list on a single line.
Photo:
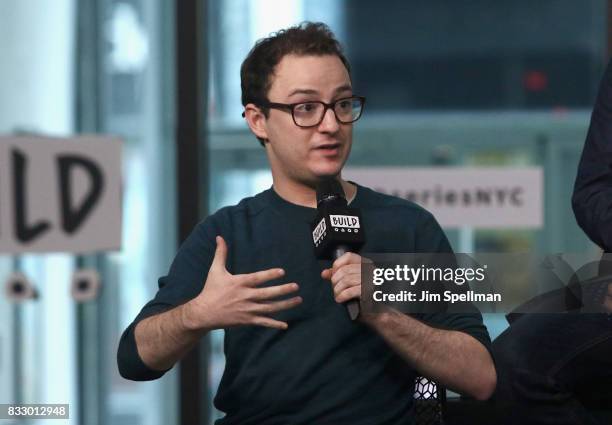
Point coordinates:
[(256, 120)]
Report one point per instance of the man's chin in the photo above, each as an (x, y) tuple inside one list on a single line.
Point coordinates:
[(316, 178), (330, 169), (327, 174)]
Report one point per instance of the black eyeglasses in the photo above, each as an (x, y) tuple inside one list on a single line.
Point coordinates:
[(310, 114)]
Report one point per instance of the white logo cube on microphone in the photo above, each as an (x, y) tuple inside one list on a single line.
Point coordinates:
[(319, 231), (346, 221)]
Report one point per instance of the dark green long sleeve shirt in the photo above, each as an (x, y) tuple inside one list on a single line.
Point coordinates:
[(324, 369)]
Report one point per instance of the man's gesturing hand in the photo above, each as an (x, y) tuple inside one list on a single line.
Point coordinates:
[(231, 300)]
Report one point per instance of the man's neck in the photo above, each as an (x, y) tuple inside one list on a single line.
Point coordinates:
[(306, 196)]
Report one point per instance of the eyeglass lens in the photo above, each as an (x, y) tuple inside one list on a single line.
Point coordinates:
[(311, 113)]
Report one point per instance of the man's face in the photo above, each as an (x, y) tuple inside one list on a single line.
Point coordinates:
[(305, 155)]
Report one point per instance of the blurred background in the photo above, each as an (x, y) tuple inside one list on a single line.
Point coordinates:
[(449, 83)]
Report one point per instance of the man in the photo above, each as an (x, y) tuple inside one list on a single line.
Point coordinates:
[(557, 368), (592, 199), (300, 359)]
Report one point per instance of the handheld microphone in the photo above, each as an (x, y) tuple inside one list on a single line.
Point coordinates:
[(337, 228)]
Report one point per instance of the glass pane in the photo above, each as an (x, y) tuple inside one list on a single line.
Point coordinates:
[(235, 26), (477, 55), (37, 338), (136, 77)]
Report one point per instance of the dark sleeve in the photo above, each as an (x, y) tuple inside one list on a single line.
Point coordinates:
[(470, 324), (592, 198), (183, 282), (429, 235), (431, 238)]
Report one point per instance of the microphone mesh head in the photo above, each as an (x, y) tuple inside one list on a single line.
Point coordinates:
[(330, 190)]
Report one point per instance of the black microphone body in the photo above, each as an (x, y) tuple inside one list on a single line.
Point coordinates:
[(337, 229)]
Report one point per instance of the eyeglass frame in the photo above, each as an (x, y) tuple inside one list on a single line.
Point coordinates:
[(289, 107)]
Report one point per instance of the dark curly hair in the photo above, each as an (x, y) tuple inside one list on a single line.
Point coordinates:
[(308, 38)]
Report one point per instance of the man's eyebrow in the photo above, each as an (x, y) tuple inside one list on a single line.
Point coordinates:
[(303, 91), (343, 89), (340, 89)]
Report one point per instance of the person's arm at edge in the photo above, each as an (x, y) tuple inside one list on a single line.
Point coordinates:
[(162, 315), (452, 358), (157, 342), (163, 339), (144, 350), (593, 187)]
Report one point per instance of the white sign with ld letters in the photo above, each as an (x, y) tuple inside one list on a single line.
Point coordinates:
[(60, 194), (480, 197)]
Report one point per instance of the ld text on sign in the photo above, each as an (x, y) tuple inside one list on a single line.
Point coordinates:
[(60, 194)]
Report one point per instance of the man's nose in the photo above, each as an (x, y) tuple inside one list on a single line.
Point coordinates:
[(329, 123)]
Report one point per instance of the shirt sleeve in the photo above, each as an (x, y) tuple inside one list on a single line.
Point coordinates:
[(184, 281), (431, 238), (592, 198), (469, 323)]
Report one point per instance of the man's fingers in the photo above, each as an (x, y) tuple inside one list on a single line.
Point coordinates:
[(254, 279), (344, 284), (261, 294), (338, 288), (276, 306), (346, 258), (349, 294), (269, 323), (326, 274), (350, 269), (220, 254)]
